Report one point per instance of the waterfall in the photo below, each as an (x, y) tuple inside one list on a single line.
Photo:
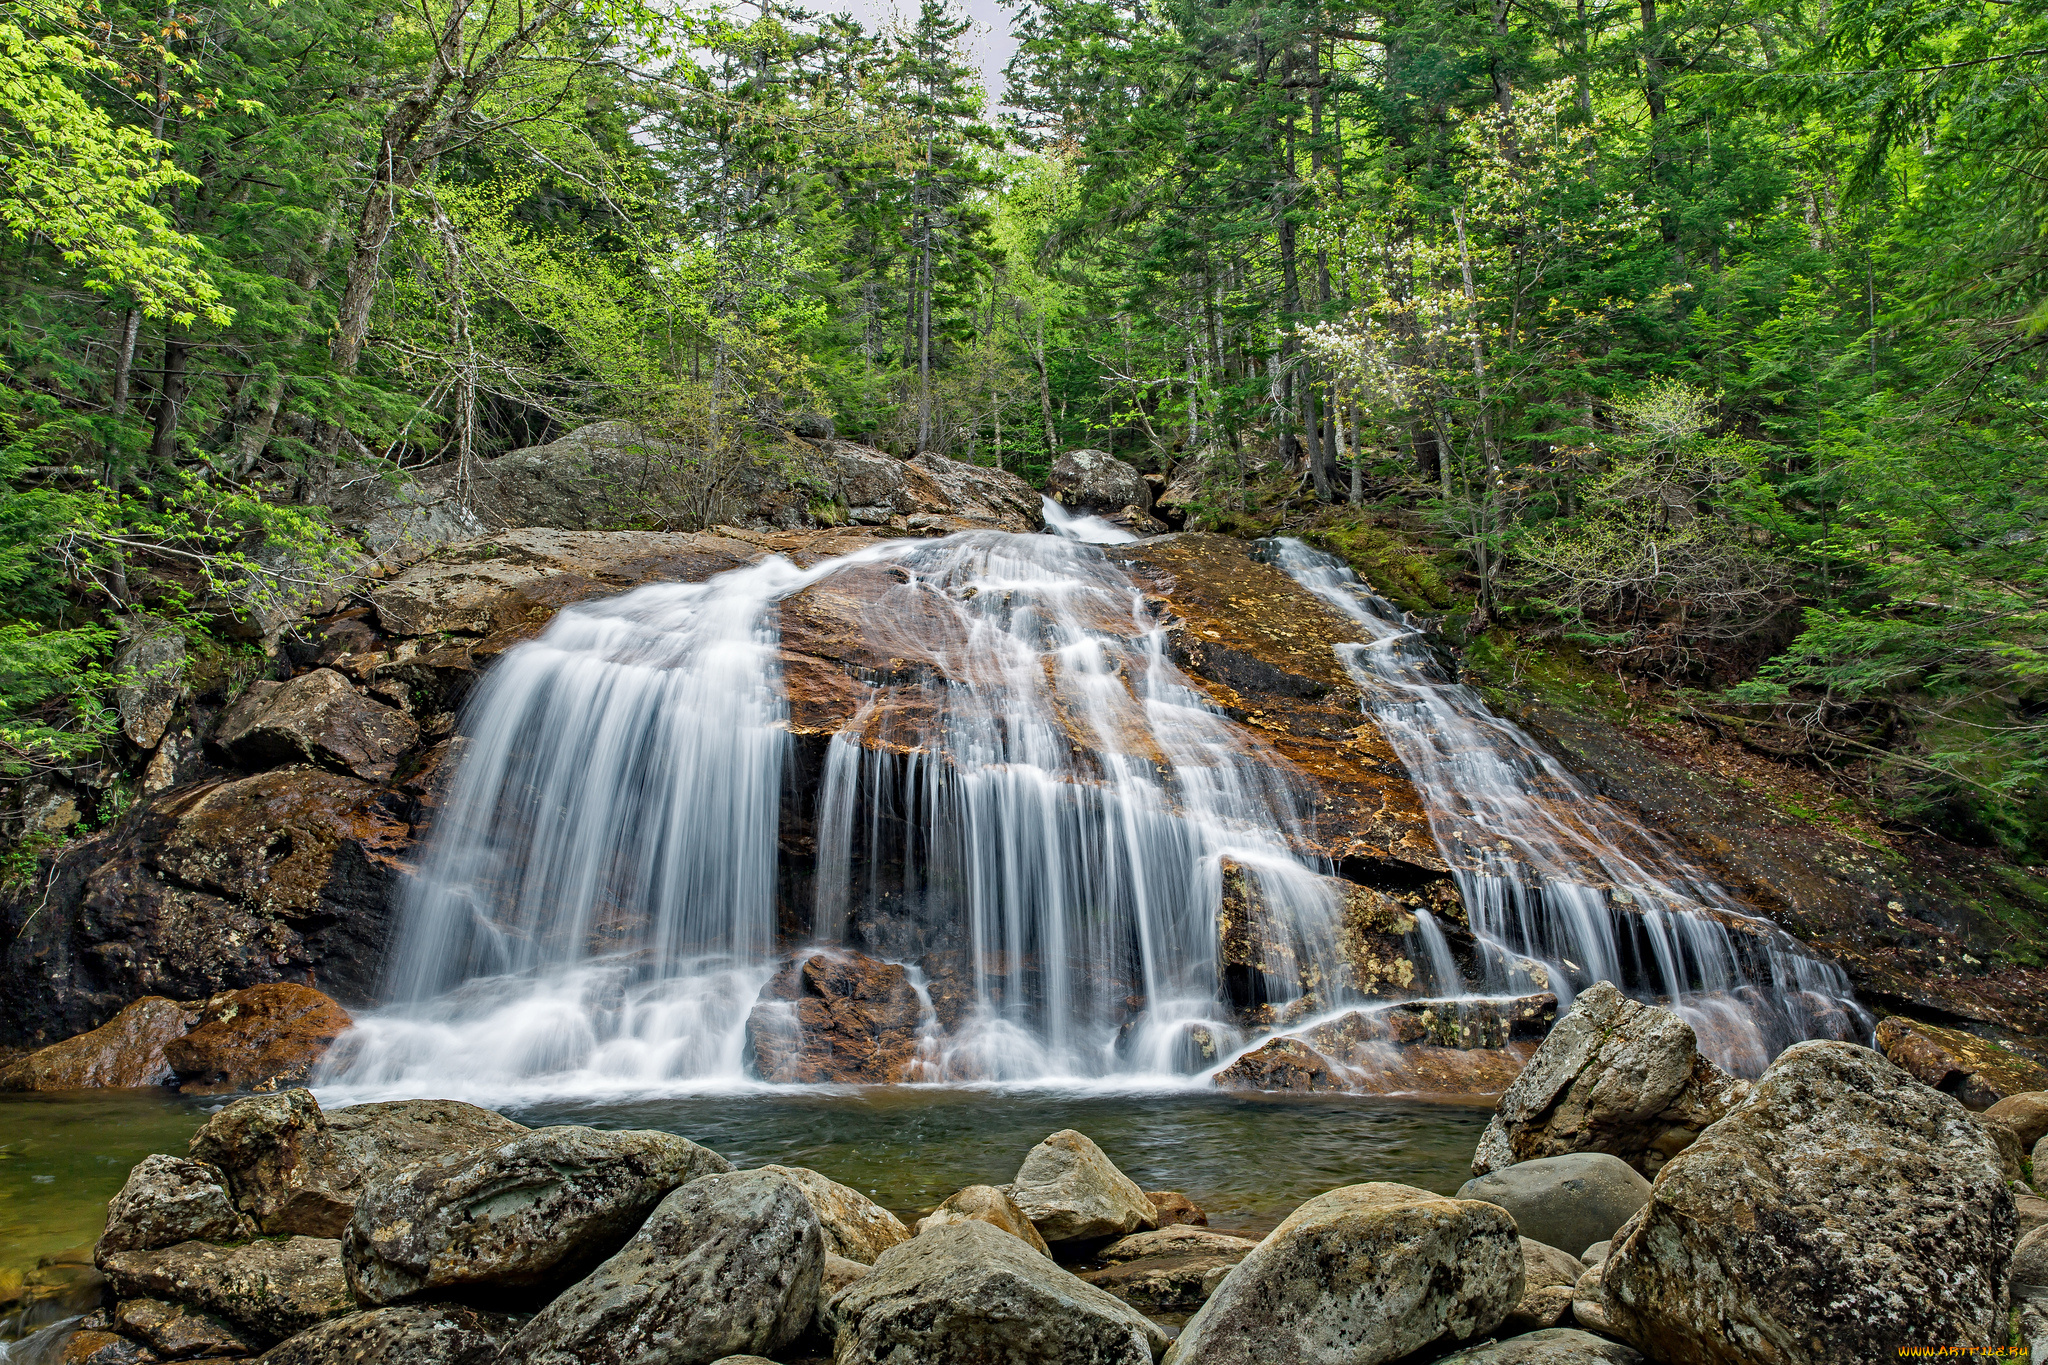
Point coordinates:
[(1030, 800), (1562, 887)]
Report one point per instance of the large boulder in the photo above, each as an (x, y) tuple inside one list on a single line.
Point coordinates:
[(270, 1290), (1168, 1270), (527, 1217), (2030, 1260), (726, 1265), (168, 1200), (854, 1226), (427, 1334), (1841, 1212), (1555, 1346), (127, 1050), (2025, 1113), (297, 1169), (1363, 1274), (260, 1038), (1977, 1072), (1096, 481), (1614, 1076), (967, 1294), (1072, 1192), (985, 1204), (148, 661), (1564, 1201), (836, 1016), (318, 718)]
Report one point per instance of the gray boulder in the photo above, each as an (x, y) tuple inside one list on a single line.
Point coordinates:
[(2033, 1312), (529, 1216), (168, 1200), (1172, 1269), (320, 718), (854, 1226), (297, 1169), (1547, 1279), (1596, 1253), (2030, 1260), (425, 1334), (270, 1290), (1589, 1300), (727, 1265), (2025, 1113), (1564, 1201), (1614, 1076), (1096, 481), (150, 659), (985, 1204), (1071, 1191), (1841, 1212), (1364, 1274), (2011, 1151), (968, 1294), (1557, 1346)]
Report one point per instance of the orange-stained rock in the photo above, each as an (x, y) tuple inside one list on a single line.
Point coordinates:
[(261, 1038), (837, 1016), (317, 717), (1281, 1064), (127, 1050), (1977, 1072), (1172, 1207)]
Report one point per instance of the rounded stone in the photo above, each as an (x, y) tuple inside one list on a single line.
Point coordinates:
[(1564, 1201)]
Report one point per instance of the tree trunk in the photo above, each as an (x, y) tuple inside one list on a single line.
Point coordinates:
[(170, 400)]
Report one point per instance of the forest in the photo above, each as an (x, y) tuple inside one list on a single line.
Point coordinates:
[(1697, 342)]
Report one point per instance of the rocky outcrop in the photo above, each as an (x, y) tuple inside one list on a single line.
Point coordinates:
[(260, 1038), (967, 1294), (317, 718), (296, 1169), (835, 1016), (853, 1226), (528, 1216), (1096, 481), (168, 1200), (1072, 1192), (127, 1050), (1614, 1076), (985, 1204), (1364, 1274), (268, 1290), (431, 1334), (1169, 1270), (1565, 1201), (726, 1265), (1842, 1211), (148, 661), (1977, 1072), (1421, 1047)]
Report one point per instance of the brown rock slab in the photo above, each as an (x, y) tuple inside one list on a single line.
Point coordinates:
[(2025, 1113), (1171, 1206), (1281, 1064), (266, 1036), (126, 1051), (837, 1016), (269, 1290), (318, 718), (1975, 1071), (177, 1332), (430, 1334)]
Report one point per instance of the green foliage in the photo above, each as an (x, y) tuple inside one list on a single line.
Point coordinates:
[(1400, 571)]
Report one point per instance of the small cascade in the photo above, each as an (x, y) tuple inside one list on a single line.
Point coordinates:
[(1082, 526), (1562, 887)]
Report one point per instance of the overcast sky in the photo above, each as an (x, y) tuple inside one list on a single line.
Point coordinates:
[(989, 40)]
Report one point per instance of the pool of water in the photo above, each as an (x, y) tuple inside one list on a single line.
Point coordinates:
[(1247, 1159)]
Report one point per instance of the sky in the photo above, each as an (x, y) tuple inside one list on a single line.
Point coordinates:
[(990, 40)]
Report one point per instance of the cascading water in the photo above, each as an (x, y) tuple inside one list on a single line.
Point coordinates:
[(1562, 887), (1033, 777)]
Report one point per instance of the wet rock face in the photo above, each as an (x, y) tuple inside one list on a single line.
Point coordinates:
[(167, 1200), (967, 1294), (728, 1264), (835, 1016), (266, 1036), (526, 1217), (985, 1204), (1282, 1064), (269, 1290), (214, 887), (296, 1169), (1614, 1076), (1401, 1050), (127, 1050), (1978, 1073), (433, 1334), (317, 718), (1364, 1274), (853, 1226), (1071, 1191), (1841, 1212)]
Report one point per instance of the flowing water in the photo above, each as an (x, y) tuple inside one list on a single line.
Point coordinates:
[(1562, 887)]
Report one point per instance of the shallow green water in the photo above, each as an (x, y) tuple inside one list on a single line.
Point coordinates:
[(1248, 1160)]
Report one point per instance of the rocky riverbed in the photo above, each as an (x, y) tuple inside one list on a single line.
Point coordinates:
[(1628, 1204)]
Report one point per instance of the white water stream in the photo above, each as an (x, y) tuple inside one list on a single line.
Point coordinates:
[(1031, 800)]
